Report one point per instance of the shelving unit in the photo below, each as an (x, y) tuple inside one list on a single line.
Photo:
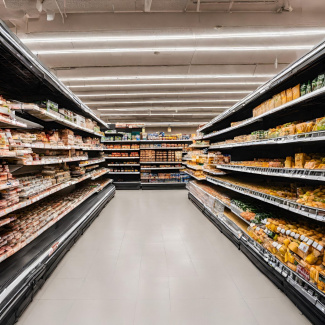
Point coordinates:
[(226, 133), (29, 261)]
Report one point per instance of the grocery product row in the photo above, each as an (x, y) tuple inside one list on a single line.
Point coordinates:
[(160, 155), (164, 177), (284, 132)]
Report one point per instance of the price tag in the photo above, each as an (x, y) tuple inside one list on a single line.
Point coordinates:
[(306, 239), (315, 244), (292, 234), (302, 237), (278, 246), (283, 231), (303, 247), (309, 242), (278, 229), (288, 232), (319, 247), (297, 236)]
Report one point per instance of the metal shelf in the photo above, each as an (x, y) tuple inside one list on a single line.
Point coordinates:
[(146, 141), (43, 194), (160, 162), (209, 171), (122, 157), (163, 148), (121, 149), (312, 174), (92, 162), (194, 167), (122, 165), (159, 168), (199, 146), (277, 272), (197, 178), (310, 212), (283, 76), (49, 162), (48, 116), (124, 173), (297, 138)]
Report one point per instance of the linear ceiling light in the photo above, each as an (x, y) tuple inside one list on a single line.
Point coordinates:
[(162, 101), (160, 114), (166, 93), (173, 76), (196, 124), (171, 108), (254, 83), (93, 39), (177, 49)]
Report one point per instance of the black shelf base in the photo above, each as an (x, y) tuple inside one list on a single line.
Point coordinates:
[(127, 185), (314, 315), (163, 186), (78, 220)]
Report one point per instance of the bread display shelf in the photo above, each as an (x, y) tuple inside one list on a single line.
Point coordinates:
[(99, 175), (312, 174), (144, 141), (92, 162), (197, 178), (122, 157), (101, 187), (42, 195), (162, 148), (122, 165), (49, 161), (297, 138), (199, 146), (161, 168), (9, 184), (124, 173), (47, 116), (310, 212), (160, 162), (210, 171), (122, 149), (195, 167)]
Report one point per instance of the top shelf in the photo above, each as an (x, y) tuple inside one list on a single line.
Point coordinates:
[(24, 78), (47, 116), (289, 75), (146, 141)]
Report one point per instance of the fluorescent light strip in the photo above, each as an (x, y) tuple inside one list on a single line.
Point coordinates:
[(196, 124), (163, 76), (92, 39), (163, 108), (160, 114), (170, 84), (178, 49), (162, 101), (166, 93)]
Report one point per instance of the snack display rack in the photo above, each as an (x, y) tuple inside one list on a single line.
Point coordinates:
[(30, 253), (238, 131)]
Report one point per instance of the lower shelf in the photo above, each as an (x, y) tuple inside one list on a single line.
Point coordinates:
[(312, 306), (24, 273), (127, 185), (163, 186)]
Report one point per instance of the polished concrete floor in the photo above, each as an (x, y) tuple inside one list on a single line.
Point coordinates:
[(151, 257)]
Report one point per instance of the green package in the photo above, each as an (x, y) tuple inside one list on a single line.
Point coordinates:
[(308, 88), (320, 81), (303, 89), (314, 84)]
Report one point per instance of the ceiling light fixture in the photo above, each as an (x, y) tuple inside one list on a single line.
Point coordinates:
[(160, 114), (166, 93), (176, 49), (163, 76), (161, 101), (258, 34), (254, 83), (171, 108)]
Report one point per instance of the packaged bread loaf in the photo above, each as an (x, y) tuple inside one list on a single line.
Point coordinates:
[(277, 100), (283, 97), (296, 92), (289, 95)]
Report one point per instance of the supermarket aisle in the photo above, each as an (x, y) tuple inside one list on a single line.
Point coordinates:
[(152, 258)]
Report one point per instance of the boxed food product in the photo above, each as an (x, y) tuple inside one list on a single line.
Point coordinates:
[(79, 120), (289, 94), (296, 92)]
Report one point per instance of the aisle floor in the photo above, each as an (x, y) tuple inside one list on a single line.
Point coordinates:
[(151, 257)]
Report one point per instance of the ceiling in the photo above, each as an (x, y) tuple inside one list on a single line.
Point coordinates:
[(171, 61)]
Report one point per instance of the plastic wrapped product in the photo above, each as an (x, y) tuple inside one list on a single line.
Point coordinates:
[(303, 89), (296, 92), (320, 81), (277, 100), (310, 126), (270, 104), (301, 127), (320, 124), (308, 87), (289, 95)]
